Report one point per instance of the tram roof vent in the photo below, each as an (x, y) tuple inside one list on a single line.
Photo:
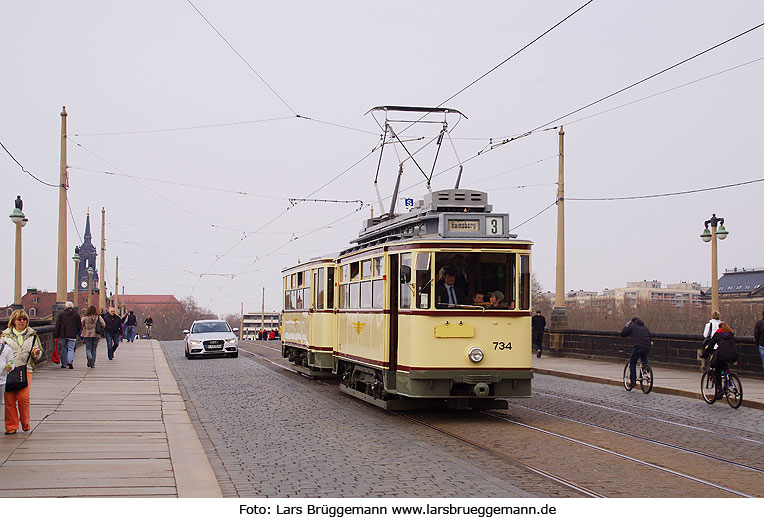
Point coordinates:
[(457, 200)]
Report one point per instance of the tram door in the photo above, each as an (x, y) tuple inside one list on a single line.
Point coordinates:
[(394, 284)]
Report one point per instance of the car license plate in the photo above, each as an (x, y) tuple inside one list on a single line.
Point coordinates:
[(214, 347)]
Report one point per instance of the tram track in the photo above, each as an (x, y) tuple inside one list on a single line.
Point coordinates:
[(583, 488), (642, 438), (697, 428)]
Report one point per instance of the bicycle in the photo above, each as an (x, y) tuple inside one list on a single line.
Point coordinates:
[(644, 376), (732, 388), (148, 331)]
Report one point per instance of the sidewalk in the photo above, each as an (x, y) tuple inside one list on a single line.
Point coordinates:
[(666, 380), (119, 429)]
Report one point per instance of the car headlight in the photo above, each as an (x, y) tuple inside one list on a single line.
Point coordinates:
[(475, 354), (195, 341), (232, 340)]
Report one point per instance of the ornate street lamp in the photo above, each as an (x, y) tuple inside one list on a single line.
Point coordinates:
[(76, 258), (711, 236), (18, 218)]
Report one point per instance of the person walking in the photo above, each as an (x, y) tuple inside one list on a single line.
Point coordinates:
[(726, 353), (538, 323), (641, 340), (758, 336), (113, 328), (130, 322), (68, 327), (25, 345), (148, 322), (89, 333)]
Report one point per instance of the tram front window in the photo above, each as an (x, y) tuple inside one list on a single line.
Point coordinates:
[(473, 279)]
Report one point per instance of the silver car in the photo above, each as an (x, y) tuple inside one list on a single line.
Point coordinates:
[(211, 337)]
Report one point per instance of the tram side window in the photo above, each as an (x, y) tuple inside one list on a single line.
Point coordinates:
[(355, 270), (355, 295), (299, 278), (319, 287), (378, 293), (379, 266), (366, 294), (366, 269), (405, 274), (525, 282), (287, 301), (423, 280), (330, 288), (299, 302)]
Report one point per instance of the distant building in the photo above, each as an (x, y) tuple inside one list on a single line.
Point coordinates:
[(39, 304), (653, 291), (253, 321), (142, 305), (740, 285)]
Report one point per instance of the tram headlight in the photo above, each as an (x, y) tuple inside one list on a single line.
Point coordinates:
[(475, 354)]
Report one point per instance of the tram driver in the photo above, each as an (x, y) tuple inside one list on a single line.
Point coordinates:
[(448, 293)]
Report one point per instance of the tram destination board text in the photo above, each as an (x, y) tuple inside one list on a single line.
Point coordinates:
[(462, 225)]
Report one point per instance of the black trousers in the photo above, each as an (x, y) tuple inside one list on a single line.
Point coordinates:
[(537, 338)]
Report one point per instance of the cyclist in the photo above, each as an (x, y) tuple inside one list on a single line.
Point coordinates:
[(640, 338), (726, 353), (148, 322)]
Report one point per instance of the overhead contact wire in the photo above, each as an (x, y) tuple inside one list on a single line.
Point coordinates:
[(242, 58)]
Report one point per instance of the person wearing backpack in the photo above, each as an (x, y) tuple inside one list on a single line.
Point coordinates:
[(640, 338), (726, 353), (711, 327)]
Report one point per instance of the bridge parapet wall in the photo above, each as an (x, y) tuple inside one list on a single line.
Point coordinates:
[(670, 350)]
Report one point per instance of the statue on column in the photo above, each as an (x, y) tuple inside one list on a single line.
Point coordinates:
[(19, 203)]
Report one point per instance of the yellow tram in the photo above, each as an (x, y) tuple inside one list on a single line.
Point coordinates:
[(428, 308)]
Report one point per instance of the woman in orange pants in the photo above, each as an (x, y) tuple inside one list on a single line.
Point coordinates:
[(26, 347)]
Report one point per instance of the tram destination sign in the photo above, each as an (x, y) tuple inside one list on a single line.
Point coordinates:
[(462, 225)]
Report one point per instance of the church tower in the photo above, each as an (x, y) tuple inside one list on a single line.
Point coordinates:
[(88, 258)]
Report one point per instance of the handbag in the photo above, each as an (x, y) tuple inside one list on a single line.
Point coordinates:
[(17, 378), (99, 330), (55, 358)]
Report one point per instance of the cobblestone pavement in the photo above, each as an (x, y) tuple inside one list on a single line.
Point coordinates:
[(269, 432), (273, 433)]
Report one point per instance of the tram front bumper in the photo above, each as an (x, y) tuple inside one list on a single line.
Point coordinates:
[(464, 383)]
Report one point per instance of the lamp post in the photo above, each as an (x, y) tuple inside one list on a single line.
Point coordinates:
[(90, 286), (711, 236), (18, 218), (76, 258)]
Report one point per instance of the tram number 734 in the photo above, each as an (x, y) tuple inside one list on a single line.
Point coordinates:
[(501, 345)]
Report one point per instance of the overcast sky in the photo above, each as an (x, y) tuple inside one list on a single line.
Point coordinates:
[(128, 72)]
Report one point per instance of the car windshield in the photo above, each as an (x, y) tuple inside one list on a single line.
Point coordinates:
[(212, 326)]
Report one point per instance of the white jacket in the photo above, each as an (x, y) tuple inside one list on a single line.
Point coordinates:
[(711, 327), (6, 357)]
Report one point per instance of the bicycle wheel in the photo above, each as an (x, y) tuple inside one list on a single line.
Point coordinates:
[(707, 389), (646, 381), (626, 381), (734, 391)]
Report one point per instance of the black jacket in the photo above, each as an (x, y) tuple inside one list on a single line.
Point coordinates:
[(113, 323), (640, 335), (441, 295), (68, 325), (538, 323), (130, 320), (727, 349), (758, 332)]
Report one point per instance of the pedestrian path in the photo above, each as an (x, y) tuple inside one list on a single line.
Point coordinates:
[(666, 380), (119, 429)]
